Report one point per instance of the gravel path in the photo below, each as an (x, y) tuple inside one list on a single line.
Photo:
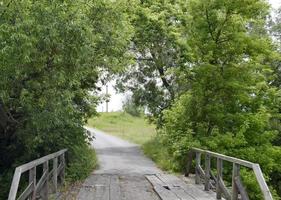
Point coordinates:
[(121, 172)]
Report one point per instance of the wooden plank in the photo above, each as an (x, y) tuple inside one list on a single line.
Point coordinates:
[(207, 172), (40, 161), (219, 176), (30, 166), (201, 172), (96, 187), (60, 168), (174, 184), (15, 184), (161, 189), (235, 173), (42, 181), (226, 158), (26, 193), (114, 188), (223, 188), (178, 185), (154, 180), (243, 193), (256, 168), (264, 188), (32, 179), (45, 190), (55, 174), (62, 173), (136, 187)]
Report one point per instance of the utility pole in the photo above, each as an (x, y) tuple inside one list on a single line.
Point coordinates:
[(107, 98)]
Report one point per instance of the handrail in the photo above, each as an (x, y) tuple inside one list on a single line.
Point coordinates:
[(237, 186), (42, 186)]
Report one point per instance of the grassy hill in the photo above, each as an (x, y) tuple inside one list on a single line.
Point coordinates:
[(123, 125)]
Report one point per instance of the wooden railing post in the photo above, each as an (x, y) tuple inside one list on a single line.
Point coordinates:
[(32, 179), (38, 187), (55, 174), (219, 176), (207, 171), (238, 190), (235, 175), (62, 161), (45, 190), (198, 163)]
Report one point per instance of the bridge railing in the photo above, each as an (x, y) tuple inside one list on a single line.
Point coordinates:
[(39, 188), (217, 183)]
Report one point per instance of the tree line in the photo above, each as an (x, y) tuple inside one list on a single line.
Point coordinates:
[(207, 72), (52, 54)]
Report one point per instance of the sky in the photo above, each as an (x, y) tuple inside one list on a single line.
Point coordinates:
[(115, 103), (116, 99), (275, 3)]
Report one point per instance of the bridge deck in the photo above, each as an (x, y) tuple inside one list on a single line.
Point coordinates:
[(170, 187), (126, 174), (145, 187)]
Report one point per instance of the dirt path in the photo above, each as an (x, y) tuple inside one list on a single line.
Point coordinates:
[(121, 172)]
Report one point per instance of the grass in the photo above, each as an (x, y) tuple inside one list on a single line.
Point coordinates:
[(125, 126), (155, 150), (136, 130)]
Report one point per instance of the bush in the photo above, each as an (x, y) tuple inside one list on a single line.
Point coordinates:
[(251, 141), (158, 153), (131, 108), (82, 161)]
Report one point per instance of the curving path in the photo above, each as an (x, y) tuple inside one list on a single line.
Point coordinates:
[(121, 172), (126, 174)]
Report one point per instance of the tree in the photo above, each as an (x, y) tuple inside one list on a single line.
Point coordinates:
[(131, 108), (158, 51), (231, 102), (51, 56)]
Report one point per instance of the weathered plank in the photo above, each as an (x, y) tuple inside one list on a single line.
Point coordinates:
[(219, 176), (32, 179), (235, 173), (193, 191), (242, 191), (237, 163), (264, 188), (136, 187), (161, 188), (26, 193), (207, 172), (114, 188), (95, 188), (40, 161), (226, 158), (41, 188), (55, 174)]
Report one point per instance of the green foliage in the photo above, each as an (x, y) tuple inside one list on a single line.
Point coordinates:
[(130, 107), (83, 161), (52, 54), (229, 102), (158, 153), (157, 50)]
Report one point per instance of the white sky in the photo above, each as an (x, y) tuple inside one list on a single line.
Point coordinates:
[(116, 100), (115, 103), (275, 3)]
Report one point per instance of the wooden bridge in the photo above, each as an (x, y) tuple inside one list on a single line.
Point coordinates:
[(111, 185)]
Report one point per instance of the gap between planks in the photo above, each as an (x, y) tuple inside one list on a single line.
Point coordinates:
[(170, 187)]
